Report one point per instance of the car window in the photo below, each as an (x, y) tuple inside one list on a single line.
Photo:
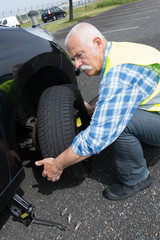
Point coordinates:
[(45, 12), (5, 21)]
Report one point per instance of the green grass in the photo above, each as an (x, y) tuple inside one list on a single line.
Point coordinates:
[(82, 13), (105, 3)]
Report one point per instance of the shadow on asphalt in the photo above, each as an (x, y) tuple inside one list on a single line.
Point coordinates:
[(102, 170)]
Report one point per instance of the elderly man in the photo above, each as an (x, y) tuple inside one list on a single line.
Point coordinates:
[(126, 113)]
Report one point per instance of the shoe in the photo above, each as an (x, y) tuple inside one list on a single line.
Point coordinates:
[(119, 191)]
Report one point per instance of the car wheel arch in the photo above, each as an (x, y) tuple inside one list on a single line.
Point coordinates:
[(39, 81)]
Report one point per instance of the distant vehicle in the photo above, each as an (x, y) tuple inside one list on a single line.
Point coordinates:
[(52, 13), (10, 22)]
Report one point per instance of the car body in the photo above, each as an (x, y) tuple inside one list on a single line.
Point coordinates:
[(52, 13), (30, 62), (10, 22)]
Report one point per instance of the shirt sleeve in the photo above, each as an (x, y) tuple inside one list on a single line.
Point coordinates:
[(121, 91)]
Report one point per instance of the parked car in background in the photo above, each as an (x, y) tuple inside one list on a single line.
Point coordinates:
[(52, 13), (10, 22), (41, 108)]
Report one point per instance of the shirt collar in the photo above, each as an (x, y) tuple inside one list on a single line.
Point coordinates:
[(107, 49)]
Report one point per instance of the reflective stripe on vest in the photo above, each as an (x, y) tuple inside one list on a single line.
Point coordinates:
[(139, 54)]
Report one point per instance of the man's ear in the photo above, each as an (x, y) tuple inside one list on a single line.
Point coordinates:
[(98, 41)]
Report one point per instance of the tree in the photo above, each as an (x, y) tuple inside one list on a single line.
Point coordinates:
[(70, 10)]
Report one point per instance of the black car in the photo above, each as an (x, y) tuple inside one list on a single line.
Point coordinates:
[(52, 13), (41, 108)]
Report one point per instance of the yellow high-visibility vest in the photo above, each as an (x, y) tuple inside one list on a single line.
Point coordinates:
[(139, 54), (12, 91)]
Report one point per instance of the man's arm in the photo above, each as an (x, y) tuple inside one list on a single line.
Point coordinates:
[(53, 167)]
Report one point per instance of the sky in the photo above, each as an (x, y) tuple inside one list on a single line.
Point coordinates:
[(13, 7)]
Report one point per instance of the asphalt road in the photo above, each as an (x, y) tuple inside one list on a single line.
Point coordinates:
[(135, 218)]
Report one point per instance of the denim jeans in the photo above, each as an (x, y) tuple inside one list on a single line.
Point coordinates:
[(127, 150)]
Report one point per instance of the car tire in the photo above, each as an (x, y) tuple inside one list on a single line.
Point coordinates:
[(59, 109), (54, 18)]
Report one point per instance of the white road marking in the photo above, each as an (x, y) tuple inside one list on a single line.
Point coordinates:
[(126, 21), (121, 29)]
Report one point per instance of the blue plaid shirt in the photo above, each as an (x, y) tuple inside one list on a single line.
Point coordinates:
[(121, 91)]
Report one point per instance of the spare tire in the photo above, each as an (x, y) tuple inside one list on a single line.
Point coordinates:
[(61, 116)]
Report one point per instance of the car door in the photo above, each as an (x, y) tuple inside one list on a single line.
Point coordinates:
[(58, 12)]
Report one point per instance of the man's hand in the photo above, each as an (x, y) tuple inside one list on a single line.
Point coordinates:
[(51, 169), (90, 109)]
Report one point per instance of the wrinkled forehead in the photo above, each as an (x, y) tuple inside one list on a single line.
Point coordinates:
[(73, 40), (74, 45)]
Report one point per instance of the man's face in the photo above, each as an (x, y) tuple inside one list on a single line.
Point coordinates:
[(88, 59)]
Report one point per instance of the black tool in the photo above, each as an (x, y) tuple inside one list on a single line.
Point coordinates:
[(24, 212)]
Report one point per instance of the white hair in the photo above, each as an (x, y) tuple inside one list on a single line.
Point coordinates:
[(85, 32)]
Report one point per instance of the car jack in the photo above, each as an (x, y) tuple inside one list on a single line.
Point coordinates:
[(23, 211)]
